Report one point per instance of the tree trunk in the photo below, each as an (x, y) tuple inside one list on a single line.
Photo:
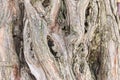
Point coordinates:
[(59, 40)]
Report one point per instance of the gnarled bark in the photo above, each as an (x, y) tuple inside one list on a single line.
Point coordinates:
[(59, 40)]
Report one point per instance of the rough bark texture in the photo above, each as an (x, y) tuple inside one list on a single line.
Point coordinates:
[(59, 40)]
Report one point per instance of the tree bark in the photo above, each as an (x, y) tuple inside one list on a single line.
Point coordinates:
[(59, 40)]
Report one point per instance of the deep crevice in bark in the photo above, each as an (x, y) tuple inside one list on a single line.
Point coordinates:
[(18, 24), (87, 15), (95, 54), (51, 45), (62, 19), (18, 34), (46, 3)]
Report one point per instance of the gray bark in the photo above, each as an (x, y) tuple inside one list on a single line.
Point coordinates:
[(59, 40)]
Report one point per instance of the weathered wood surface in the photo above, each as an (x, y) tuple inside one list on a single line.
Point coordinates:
[(59, 40)]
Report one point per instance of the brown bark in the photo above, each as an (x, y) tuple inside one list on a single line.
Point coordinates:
[(59, 40)]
